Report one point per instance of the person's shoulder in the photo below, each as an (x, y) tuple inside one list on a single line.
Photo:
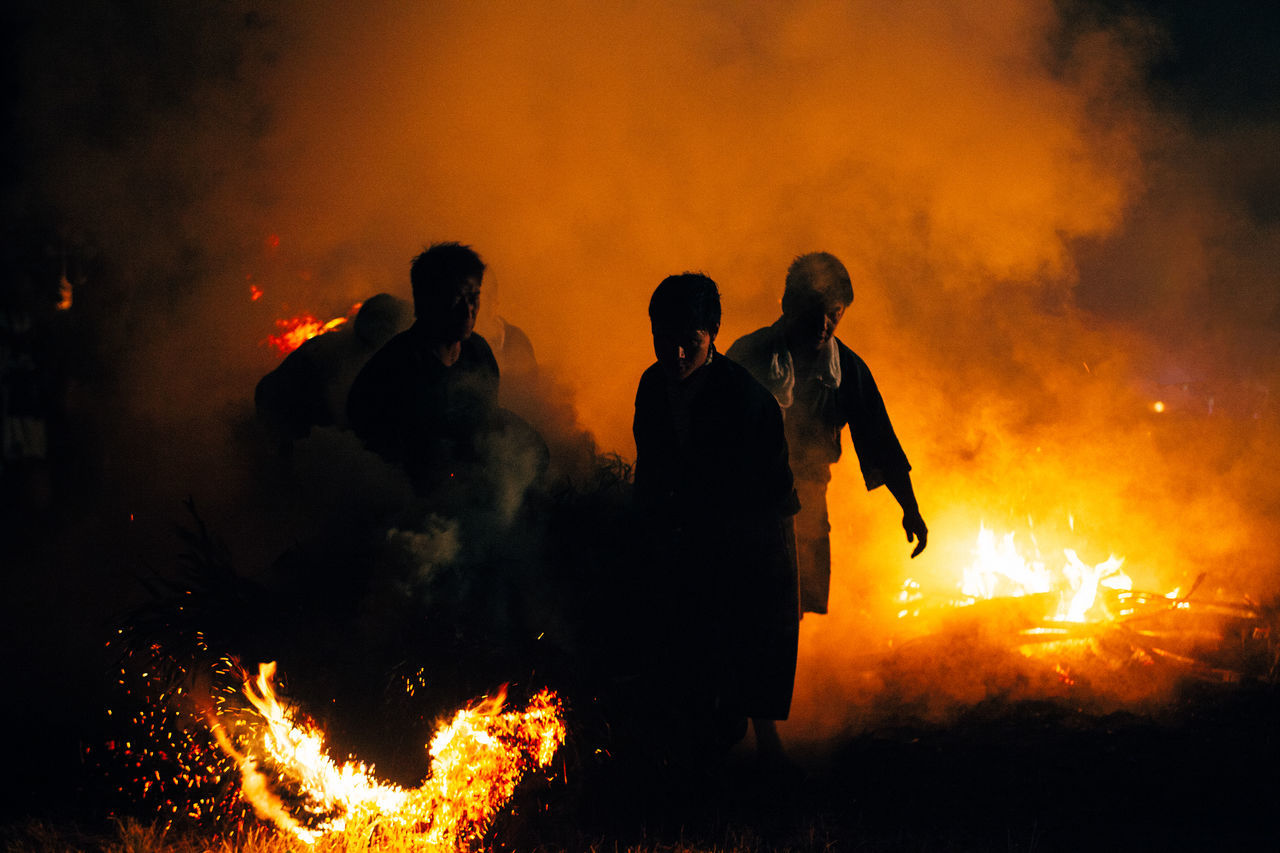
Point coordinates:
[(650, 387), (477, 351), (731, 367), (850, 359), (399, 346), (652, 376), (387, 367), (751, 344), (325, 349), (478, 345), (755, 351), (742, 380)]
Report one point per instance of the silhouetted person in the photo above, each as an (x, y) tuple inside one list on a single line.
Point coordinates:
[(715, 493), (310, 387), (424, 399), (822, 386)]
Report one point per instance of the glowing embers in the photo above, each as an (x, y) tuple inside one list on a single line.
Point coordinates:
[(998, 570), (293, 332), (159, 757), (477, 760)]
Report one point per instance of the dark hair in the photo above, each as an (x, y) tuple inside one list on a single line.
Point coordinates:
[(440, 269), (686, 302), (816, 274)]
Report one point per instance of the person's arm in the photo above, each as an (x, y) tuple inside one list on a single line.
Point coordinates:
[(899, 485)]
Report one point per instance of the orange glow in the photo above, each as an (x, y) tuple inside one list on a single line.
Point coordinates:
[(478, 758), (999, 570), (295, 331), (64, 294), (255, 293)]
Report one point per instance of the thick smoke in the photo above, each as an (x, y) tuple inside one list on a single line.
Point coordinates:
[(1042, 245)]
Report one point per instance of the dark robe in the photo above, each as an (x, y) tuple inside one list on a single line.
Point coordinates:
[(715, 492)]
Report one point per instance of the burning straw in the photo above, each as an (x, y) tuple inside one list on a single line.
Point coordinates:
[(477, 760), (285, 774)]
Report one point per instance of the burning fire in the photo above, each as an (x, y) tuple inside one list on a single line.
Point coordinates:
[(477, 760), (998, 570), (295, 331)]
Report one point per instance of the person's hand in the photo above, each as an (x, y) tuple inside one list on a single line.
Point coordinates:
[(916, 531)]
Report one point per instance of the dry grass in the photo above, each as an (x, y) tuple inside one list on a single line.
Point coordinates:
[(132, 836)]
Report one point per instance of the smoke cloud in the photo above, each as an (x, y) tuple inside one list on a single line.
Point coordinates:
[(1043, 245)]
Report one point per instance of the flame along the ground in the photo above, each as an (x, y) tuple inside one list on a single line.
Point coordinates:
[(1000, 570), (477, 760), (248, 746), (1067, 605)]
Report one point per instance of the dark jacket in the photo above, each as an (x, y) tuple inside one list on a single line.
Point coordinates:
[(409, 408), (819, 408)]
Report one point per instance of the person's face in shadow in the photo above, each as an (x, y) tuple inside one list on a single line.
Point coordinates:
[(810, 321), (681, 352), (454, 317)]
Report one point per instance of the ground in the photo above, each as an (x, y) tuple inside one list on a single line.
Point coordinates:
[(1027, 776)]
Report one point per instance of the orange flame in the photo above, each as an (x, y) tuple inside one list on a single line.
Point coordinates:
[(478, 758), (999, 570), (295, 331), (65, 293)]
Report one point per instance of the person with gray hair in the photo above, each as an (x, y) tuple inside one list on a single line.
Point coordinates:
[(822, 386)]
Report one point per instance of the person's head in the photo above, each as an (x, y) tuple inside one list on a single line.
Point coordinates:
[(817, 292), (379, 318), (684, 313), (446, 282)]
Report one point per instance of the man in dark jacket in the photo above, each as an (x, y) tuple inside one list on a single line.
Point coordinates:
[(715, 490), (426, 400), (822, 386)]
